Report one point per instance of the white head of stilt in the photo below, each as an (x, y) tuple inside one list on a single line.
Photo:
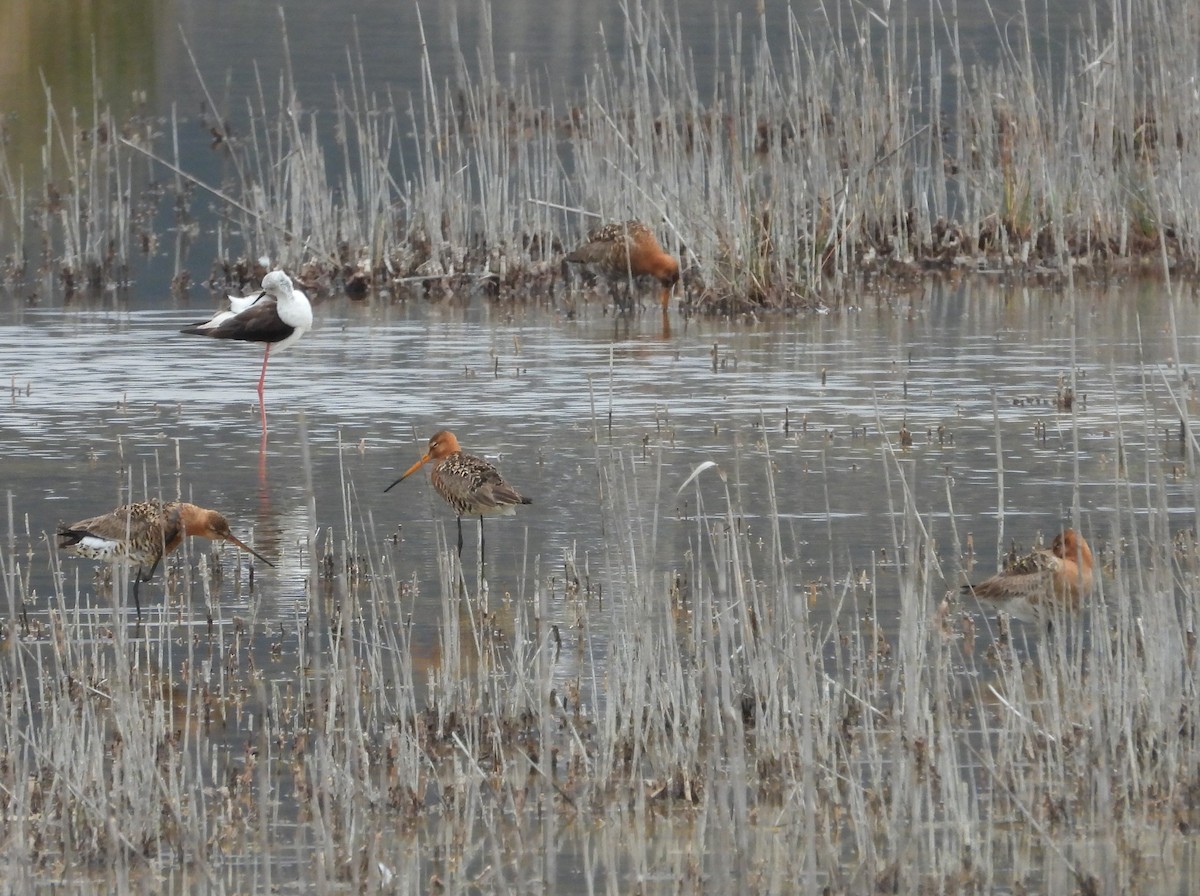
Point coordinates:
[(292, 304), (278, 284)]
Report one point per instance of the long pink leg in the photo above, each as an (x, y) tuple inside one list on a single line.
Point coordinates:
[(262, 405), (262, 450), (263, 377)]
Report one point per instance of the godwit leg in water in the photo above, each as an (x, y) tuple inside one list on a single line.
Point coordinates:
[(138, 578), (468, 483)]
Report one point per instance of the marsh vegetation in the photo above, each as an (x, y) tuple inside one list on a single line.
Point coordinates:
[(696, 689), (767, 677), (717, 726), (879, 147)]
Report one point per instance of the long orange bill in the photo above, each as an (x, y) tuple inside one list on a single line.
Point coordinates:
[(408, 472), (246, 547)]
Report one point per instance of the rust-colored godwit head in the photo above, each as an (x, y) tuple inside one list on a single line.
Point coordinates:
[(668, 276), (648, 257), (441, 445), (1077, 562), (212, 525)]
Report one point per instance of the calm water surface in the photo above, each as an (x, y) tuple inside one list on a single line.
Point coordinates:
[(107, 400), (103, 396)]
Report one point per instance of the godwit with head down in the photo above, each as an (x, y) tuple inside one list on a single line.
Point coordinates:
[(1033, 586), (628, 250), (469, 484), (276, 316), (140, 534)]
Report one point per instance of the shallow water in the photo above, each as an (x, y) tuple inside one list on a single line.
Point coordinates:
[(809, 407), (801, 416), (100, 398)]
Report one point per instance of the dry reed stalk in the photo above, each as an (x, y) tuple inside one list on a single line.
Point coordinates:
[(890, 163), (804, 741)]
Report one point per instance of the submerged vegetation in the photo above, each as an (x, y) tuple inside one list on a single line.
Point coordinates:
[(711, 728), (682, 714), (881, 151)]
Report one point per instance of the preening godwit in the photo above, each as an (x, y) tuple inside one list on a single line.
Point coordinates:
[(140, 534), (627, 250), (1029, 587), (469, 484), (276, 316)]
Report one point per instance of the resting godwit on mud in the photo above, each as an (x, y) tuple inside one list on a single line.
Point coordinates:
[(276, 316), (1028, 589), (142, 533), (627, 250), (469, 484)]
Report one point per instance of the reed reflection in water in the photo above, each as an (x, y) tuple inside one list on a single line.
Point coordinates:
[(769, 643)]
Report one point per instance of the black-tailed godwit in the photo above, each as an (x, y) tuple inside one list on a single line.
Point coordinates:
[(1032, 585), (142, 533), (276, 316), (469, 484), (628, 250)]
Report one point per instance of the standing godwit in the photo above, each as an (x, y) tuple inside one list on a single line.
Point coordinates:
[(1028, 589), (277, 316), (469, 484), (627, 250), (142, 533)]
